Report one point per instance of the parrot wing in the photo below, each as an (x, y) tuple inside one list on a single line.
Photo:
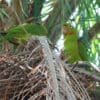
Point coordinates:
[(20, 33), (83, 50)]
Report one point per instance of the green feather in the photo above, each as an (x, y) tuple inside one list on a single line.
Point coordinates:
[(70, 49), (74, 49), (20, 33), (83, 50)]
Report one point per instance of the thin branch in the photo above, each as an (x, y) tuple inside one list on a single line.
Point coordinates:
[(87, 73), (86, 64)]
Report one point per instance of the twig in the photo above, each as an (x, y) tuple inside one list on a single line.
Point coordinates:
[(87, 73), (85, 64)]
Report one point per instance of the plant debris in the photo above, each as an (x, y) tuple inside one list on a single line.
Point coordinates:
[(37, 73)]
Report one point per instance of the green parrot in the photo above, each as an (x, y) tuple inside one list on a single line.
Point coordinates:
[(73, 48), (20, 34)]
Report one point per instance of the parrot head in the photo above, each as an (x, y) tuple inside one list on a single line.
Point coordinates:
[(67, 29)]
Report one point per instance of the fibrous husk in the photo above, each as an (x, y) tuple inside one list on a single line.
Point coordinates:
[(37, 73)]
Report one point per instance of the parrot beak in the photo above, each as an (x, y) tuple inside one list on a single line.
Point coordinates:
[(64, 29)]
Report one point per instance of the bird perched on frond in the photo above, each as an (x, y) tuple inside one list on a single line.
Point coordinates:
[(73, 49), (19, 35)]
